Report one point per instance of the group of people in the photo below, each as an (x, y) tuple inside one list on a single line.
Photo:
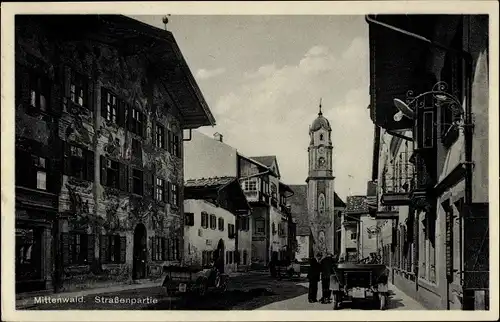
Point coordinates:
[(321, 268)]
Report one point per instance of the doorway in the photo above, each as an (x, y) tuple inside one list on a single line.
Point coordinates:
[(219, 255), (140, 252)]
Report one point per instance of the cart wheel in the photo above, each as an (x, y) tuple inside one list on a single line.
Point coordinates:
[(382, 300)]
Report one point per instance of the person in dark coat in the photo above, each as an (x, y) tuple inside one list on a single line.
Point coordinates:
[(313, 276), (326, 270)]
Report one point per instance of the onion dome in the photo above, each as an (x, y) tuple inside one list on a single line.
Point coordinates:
[(320, 122)]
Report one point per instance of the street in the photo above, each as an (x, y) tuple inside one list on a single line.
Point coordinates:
[(255, 290)]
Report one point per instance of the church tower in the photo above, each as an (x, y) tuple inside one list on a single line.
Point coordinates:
[(320, 185)]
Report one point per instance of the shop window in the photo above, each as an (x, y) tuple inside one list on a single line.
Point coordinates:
[(28, 253)]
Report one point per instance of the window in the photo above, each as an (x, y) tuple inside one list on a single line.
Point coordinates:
[(221, 224), (113, 248), (273, 228), (136, 121), (204, 219), (176, 151), (245, 257), (250, 185), (244, 223), (111, 107), (230, 231), (160, 136), (136, 148), (174, 194), (112, 173), (231, 256), (260, 226), (189, 219), (78, 249), (39, 92), (160, 190), (41, 172), (158, 250), (137, 181), (173, 249), (78, 89), (78, 162), (321, 137), (354, 236), (213, 222)]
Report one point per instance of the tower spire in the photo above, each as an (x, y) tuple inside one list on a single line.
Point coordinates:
[(320, 113)]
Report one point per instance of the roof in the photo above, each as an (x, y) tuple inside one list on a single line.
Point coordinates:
[(132, 37), (339, 202), (320, 122), (356, 205), (298, 204), (208, 188), (265, 160), (268, 161), (209, 182)]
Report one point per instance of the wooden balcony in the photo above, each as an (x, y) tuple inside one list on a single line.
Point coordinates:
[(398, 181), (257, 197)]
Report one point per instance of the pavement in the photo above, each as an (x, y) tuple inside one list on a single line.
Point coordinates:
[(397, 301), (246, 291)]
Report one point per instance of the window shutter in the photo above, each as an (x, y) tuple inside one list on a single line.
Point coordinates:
[(104, 249), (153, 186), (90, 165), (90, 248), (104, 96), (121, 112), (104, 175), (144, 121), (123, 177), (129, 117), (168, 137), (123, 248), (65, 249), (67, 158), (153, 132)]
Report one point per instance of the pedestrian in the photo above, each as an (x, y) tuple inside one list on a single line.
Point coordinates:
[(326, 267), (313, 276)]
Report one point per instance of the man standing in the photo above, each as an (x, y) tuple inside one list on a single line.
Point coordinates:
[(326, 268), (313, 276)]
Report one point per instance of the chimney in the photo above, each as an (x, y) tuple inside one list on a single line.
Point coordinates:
[(218, 136)]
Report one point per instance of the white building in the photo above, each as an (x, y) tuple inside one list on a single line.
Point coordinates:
[(211, 206)]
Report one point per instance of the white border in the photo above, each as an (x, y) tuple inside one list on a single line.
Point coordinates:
[(8, 10)]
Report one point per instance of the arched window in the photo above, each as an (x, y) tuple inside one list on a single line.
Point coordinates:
[(321, 203), (321, 137)]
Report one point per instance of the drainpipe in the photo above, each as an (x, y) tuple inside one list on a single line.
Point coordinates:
[(468, 126)]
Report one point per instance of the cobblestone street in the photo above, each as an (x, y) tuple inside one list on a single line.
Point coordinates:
[(255, 290)]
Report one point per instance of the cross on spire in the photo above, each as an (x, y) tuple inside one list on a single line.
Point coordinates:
[(320, 113)]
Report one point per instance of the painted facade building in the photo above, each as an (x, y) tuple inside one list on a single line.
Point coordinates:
[(211, 207), (441, 237), (111, 118)]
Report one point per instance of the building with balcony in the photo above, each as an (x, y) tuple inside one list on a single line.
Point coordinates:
[(211, 207), (431, 152), (270, 228), (271, 214), (99, 132)]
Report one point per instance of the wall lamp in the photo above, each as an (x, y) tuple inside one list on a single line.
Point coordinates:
[(438, 96)]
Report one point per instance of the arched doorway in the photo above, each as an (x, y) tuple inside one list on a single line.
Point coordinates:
[(140, 252)]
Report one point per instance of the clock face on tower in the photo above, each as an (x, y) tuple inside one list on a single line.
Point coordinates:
[(321, 150)]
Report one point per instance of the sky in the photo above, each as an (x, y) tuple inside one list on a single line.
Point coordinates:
[(263, 77)]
